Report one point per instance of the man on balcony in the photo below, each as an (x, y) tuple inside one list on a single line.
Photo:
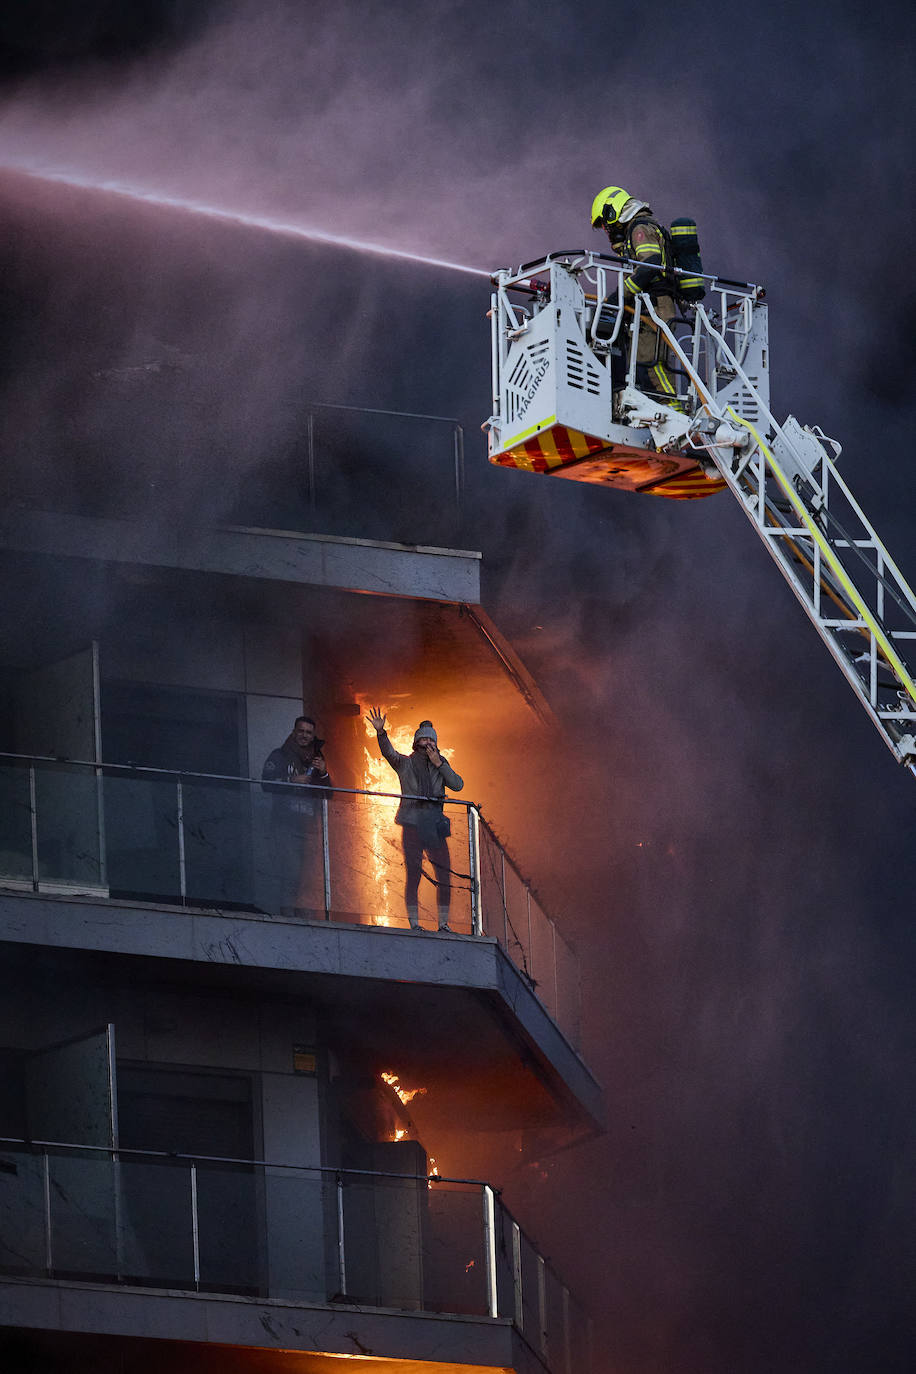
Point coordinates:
[(292, 774), (424, 775)]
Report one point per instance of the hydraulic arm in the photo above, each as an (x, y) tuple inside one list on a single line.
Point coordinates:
[(568, 399)]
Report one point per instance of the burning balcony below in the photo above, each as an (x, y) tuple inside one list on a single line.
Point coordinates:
[(328, 1238)]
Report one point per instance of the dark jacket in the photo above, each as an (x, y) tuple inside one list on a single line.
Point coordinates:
[(419, 778), (277, 775), (646, 244)]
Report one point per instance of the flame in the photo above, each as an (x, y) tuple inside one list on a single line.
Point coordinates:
[(469, 1266), (378, 777), (405, 1094), (432, 1171)]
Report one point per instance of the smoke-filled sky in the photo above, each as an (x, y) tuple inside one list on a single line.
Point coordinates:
[(743, 867)]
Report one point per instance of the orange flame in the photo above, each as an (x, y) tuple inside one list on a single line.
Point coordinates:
[(378, 777), (405, 1094)]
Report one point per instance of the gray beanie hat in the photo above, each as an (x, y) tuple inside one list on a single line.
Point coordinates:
[(425, 731)]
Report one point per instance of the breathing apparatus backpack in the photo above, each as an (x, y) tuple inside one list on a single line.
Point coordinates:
[(682, 250), (685, 254)]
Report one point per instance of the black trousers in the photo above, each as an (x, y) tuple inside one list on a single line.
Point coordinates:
[(414, 849)]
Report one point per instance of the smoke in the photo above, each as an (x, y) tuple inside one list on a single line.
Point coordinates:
[(401, 126), (445, 132), (726, 841)]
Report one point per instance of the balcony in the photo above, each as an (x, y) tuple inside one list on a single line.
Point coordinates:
[(343, 1241), (342, 471), (206, 870), (203, 841)]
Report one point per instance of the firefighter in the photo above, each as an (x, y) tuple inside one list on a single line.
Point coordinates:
[(634, 233)]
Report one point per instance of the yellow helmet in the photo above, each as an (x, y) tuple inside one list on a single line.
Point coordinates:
[(607, 205)]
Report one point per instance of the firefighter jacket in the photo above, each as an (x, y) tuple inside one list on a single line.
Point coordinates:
[(645, 243), (419, 778)]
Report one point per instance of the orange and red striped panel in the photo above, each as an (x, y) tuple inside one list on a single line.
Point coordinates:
[(551, 449), (581, 457)]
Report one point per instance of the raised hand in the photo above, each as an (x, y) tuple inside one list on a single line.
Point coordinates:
[(376, 719)]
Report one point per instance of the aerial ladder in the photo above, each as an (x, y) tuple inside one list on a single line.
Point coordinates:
[(570, 401)]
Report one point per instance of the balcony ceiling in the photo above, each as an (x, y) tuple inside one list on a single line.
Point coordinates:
[(448, 1014)]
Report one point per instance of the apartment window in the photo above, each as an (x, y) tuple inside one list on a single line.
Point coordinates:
[(209, 1116), (185, 1111), (177, 839)]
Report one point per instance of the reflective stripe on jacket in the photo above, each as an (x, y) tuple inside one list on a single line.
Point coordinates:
[(645, 242)]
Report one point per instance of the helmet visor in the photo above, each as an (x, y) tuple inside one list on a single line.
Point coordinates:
[(603, 202)]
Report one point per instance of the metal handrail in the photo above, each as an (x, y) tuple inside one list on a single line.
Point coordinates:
[(482, 922), (501, 1263), (335, 1169), (457, 437), (182, 774), (590, 256)]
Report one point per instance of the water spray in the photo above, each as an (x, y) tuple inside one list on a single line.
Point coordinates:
[(274, 226)]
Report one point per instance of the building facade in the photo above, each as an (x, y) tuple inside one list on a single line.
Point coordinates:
[(247, 1114)]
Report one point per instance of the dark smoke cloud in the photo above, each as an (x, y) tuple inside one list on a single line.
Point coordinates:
[(727, 840)]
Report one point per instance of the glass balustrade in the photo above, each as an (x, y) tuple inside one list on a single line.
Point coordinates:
[(259, 1230), (293, 853), (542, 1307), (410, 493)]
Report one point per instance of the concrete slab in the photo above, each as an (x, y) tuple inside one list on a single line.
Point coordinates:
[(445, 1004), (130, 1312), (274, 555), (428, 957), (26, 1303), (222, 939), (128, 930), (429, 1341)]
